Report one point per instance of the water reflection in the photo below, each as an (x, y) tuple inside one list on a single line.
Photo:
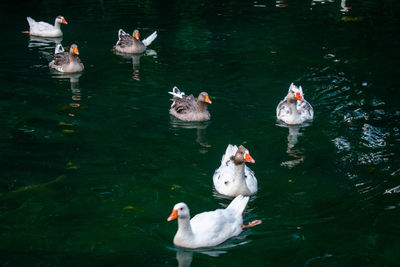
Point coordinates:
[(292, 138), (184, 256), (200, 130), (136, 61), (74, 86), (46, 46), (36, 41), (344, 7)]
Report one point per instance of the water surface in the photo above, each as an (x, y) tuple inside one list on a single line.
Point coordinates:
[(92, 164)]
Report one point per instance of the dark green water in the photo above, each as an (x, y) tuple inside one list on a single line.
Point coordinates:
[(90, 170)]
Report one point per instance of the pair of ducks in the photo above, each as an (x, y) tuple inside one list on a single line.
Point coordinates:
[(292, 110), (68, 61), (233, 178)]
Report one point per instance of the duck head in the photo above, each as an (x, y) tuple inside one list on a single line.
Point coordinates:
[(60, 19), (242, 155), (73, 50), (180, 210), (203, 97), (136, 34), (295, 93)]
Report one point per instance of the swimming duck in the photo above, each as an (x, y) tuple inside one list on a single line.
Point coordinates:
[(208, 229), (132, 44), (233, 177), (66, 61), (188, 108), (294, 109), (44, 29)]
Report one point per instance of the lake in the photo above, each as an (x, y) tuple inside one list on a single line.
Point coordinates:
[(92, 163)]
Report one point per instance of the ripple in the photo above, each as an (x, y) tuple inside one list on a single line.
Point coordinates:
[(394, 190), (342, 144), (373, 137)]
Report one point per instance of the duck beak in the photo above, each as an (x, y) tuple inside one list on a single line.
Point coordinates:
[(248, 158), (207, 100), (76, 52), (174, 215), (64, 21), (137, 36), (299, 97)]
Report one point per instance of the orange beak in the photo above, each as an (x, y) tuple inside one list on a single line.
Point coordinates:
[(248, 158), (64, 21), (174, 215), (137, 36), (76, 52), (299, 97), (207, 100)]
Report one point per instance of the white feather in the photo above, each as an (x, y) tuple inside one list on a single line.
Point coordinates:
[(59, 49), (150, 39), (176, 92)]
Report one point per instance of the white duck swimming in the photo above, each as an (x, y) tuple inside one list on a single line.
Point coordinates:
[(132, 44), (233, 177), (66, 61), (210, 228), (44, 29), (294, 109), (189, 108)]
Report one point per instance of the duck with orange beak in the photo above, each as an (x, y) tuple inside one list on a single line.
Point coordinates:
[(189, 108), (234, 177), (44, 29), (294, 109), (66, 61), (208, 229), (128, 44)]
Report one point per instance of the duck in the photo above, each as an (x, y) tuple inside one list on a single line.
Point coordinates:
[(233, 177), (294, 109), (131, 44), (189, 108), (211, 228), (66, 61), (44, 29)]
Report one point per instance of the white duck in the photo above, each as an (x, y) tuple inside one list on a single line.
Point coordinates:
[(294, 109), (233, 177), (66, 61), (210, 228), (44, 29), (131, 44)]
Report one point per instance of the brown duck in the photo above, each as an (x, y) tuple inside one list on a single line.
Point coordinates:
[(189, 108)]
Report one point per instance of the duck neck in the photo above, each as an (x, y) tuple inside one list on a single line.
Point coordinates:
[(292, 103), (238, 168), (72, 57), (201, 106), (184, 228), (239, 172), (57, 24)]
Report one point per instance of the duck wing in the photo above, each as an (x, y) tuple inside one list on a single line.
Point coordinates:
[(61, 59), (282, 109), (124, 39), (305, 109), (150, 39), (185, 104), (214, 227)]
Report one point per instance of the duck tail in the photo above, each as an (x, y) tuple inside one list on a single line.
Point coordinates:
[(230, 151), (176, 92), (59, 49), (238, 204), (150, 39)]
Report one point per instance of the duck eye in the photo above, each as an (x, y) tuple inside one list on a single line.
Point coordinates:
[(181, 209)]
